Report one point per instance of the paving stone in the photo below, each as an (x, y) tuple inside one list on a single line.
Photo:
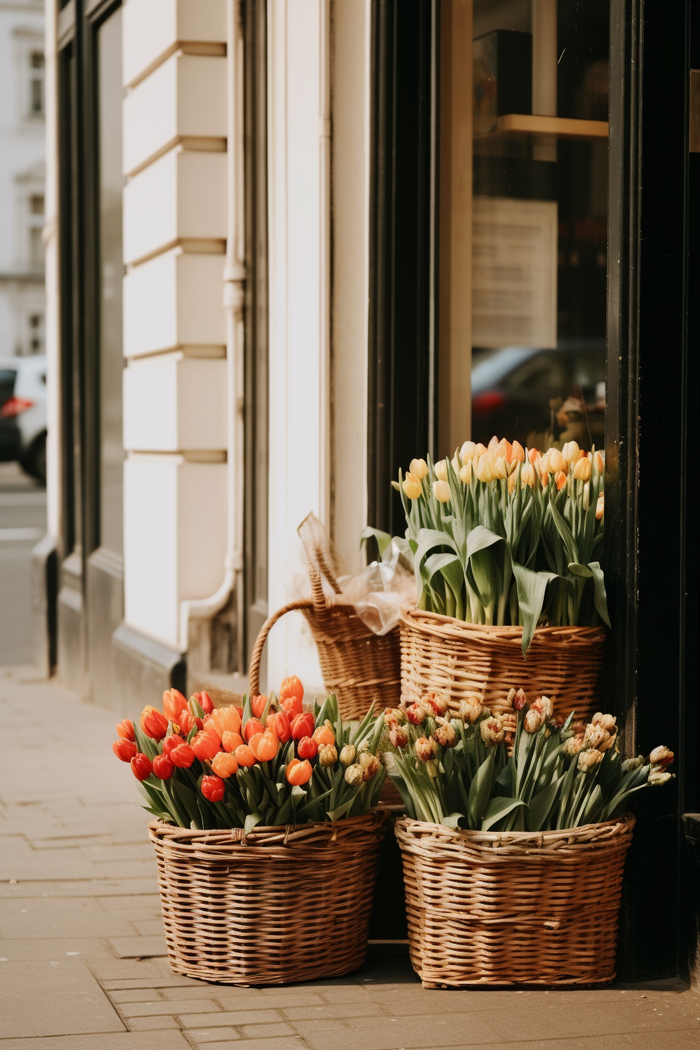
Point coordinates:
[(284, 1043), (167, 1040), (265, 1031), (19, 861), (337, 996), (132, 969), (150, 1024), (247, 998), (70, 1001), (205, 1036), (312, 1013), (54, 950), (583, 1019), (93, 887), (388, 1033), (227, 1017), (40, 918), (133, 995), (138, 947), (155, 981), (161, 1006), (149, 927), (126, 904)]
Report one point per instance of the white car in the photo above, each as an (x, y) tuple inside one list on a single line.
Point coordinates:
[(23, 413)]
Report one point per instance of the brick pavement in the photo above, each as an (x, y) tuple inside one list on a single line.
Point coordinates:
[(82, 963)]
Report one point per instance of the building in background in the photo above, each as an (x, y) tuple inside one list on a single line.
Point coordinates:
[(293, 243), (22, 148)]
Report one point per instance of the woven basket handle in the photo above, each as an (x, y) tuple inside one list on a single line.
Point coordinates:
[(254, 671)]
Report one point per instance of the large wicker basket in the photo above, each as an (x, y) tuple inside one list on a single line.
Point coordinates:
[(495, 908), (357, 665), (441, 654), (281, 905)]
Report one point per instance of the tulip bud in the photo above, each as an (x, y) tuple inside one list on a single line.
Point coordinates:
[(441, 491), (298, 773), (347, 755), (303, 725), (419, 468), (582, 470), (544, 705), (467, 451), (397, 736), (485, 467), (171, 742), (436, 701), (528, 475), (324, 734), (187, 722), (154, 723), (369, 765), (600, 507), (264, 746), (125, 750), (230, 741), (163, 767), (328, 755), (355, 775), (204, 701), (257, 705), (205, 745), (534, 456), (599, 462), (252, 727), (412, 486), (416, 714), (588, 759), (125, 729), (182, 756), (174, 703), (306, 747), (470, 709), (225, 720), (446, 735), (533, 721), (278, 723), (504, 450), (571, 452), (657, 777), (291, 706), (572, 746), (213, 788), (519, 700), (556, 460), (465, 473), (141, 766), (632, 763), (441, 470), (560, 479), (661, 756), (426, 749), (224, 765), (518, 452), (244, 756)]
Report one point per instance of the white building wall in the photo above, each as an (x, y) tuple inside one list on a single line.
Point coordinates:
[(174, 327)]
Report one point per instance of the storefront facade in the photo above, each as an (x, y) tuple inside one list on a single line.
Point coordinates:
[(292, 245)]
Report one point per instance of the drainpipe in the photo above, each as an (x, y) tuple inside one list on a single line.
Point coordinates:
[(234, 290)]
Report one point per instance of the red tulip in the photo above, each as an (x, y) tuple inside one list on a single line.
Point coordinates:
[(213, 788), (174, 704), (171, 742), (125, 729), (163, 767), (187, 722), (303, 725), (251, 728), (125, 750), (182, 756), (204, 701), (278, 723), (307, 747), (141, 766), (292, 706), (154, 723), (298, 773), (257, 705), (205, 745)]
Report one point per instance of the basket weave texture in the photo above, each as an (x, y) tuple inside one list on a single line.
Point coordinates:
[(281, 905), (357, 665), (448, 656), (495, 908)]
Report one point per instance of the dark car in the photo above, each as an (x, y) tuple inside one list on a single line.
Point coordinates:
[(23, 413), (518, 392)]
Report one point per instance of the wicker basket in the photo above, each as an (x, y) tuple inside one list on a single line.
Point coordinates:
[(493, 908), (282, 905), (357, 665), (455, 658)]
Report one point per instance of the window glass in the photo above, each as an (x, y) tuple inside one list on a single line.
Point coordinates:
[(36, 84), (523, 222), (111, 182)]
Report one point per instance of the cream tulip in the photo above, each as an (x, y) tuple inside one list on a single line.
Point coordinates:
[(600, 507), (441, 491), (465, 473), (419, 468), (556, 460), (467, 451), (571, 452), (528, 475), (582, 470), (412, 486), (441, 470), (486, 468), (493, 444), (518, 452)]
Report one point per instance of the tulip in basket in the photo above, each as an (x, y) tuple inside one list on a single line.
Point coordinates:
[(265, 826), (506, 545), (503, 853)]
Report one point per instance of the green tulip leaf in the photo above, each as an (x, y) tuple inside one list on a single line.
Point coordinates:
[(580, 570), (452, 821), (532, 587), (541, 805), (497, 809), (383, 538), (600, 597)]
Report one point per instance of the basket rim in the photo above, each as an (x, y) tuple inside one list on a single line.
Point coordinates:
[(422, 621), (268, 835), (531, 841)]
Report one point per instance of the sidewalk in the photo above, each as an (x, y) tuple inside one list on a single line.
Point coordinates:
[(82, 958)]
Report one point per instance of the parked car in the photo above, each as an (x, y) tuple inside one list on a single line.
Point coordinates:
[(23, 413), (515, 389)]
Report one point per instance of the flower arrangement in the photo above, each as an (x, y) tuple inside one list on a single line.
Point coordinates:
[(458, 772), (269, 762), (508, 535)]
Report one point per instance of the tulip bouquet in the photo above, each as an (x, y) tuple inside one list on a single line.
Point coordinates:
[(458, 772), (268, 762), (508, 535)]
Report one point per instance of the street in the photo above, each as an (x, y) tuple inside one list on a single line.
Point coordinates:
[(22, 524)]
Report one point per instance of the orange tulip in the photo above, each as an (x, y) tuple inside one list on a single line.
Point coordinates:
[(556, 460), (244, 756), (252, 726), (307, 747), (298, 773), (204, 701), (171, 742), (303, 725), (534, 455), (187, 722), (600, 507), (257, 705), (163, 767), (205, 745), (291, 687), (545, 479), (154, 723), (599, 462), (125, 729), (125, 750), (224, 720), (264, 746), (224, 765), (182, 756), (292, 706), (560, 479), (504, 450), (324, 735), (278, 723), (230, 741), (518, 452), (174, 704)]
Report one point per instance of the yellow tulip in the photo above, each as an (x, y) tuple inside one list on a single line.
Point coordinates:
[(441, 470), (518, 452), (556, 461), (493, 444), (466, 472), (486, 468), (479, 450), (467, 451), (504, 450), (412, 486), (542, 464), (512, 480), (582, 470), (502, 467), (441, 491), (528, 475), (600, 507), (599, 462), (571, 452), (419, 468)]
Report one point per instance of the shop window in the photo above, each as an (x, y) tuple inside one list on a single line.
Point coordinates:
[(36, 229), (36, 84), (37, 337)]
